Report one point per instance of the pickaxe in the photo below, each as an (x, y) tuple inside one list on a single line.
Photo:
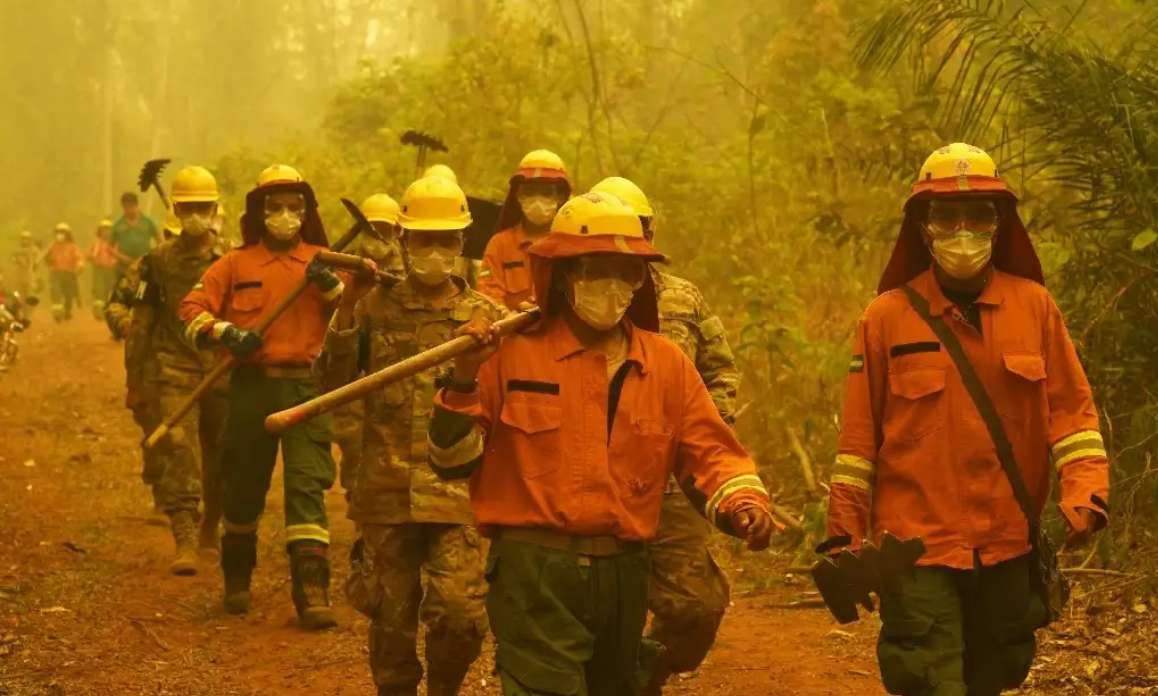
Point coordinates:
[(151, 176), (425, 143)]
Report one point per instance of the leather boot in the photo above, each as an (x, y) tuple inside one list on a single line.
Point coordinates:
[(185, 561), (310, 570), (238, 557)]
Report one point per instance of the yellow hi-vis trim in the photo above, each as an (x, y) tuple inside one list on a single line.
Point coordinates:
[(853, 471), (738, 483), (1080, 445), (303, 532), (462, 452)]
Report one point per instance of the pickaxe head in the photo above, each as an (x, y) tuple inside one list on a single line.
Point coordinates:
[(151, 173)]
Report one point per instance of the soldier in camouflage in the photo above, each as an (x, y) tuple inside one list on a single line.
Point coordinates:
[(191, 451), (130, 321), (382, 212), (688, 593), (412, 524)]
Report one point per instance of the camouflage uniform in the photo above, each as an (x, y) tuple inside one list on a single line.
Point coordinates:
[(347, 422), (24, 276), (131, 322), (689, 593), (412, 524)]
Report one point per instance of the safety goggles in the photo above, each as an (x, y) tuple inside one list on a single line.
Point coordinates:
[(422, 242), (628, 269), (948, 217), (276, 204)]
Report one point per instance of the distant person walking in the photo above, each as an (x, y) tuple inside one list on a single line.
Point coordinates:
[(65, 263), (104, 267), (134, 234)]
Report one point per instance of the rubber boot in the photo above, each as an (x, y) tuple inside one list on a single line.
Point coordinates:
[(238, 557), (310, 570), (185, 560)]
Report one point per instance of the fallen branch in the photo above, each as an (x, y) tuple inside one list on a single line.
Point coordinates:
[(1097, 571), (150, 633)]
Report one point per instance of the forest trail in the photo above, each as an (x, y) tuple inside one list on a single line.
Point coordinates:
[(87, 607)]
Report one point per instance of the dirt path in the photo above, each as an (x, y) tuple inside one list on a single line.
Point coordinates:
[(86, 606)]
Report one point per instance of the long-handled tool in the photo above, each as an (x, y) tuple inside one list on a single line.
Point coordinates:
[(228, 362), (425, 143), (283, 420), (151, 176), (357, 264)]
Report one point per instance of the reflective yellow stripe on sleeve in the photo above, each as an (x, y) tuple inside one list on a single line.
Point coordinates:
[(306, 532), (1082, 444), (854, 471), (197, 325), (737, 483), (466, 450)]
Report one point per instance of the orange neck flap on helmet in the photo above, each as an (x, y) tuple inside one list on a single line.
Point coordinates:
[(253, 219), (1013, 251), (511, 213), (549, 252)]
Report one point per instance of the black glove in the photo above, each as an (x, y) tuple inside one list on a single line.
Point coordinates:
[(320, 275), (239, 341)]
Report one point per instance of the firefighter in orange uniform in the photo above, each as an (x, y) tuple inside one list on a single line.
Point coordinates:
[(916, 457), (569, 433), (537, 190), (282, 234)]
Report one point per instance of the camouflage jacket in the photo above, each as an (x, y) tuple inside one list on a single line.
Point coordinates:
[(395, 483), (685, 319), (129, 320), (24, 273)]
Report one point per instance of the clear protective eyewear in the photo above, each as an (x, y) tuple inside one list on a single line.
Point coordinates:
[(629, 269), (948, 217)]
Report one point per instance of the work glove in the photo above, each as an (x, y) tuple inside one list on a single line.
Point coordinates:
[(239, 341), (753, 523), (321, 276)]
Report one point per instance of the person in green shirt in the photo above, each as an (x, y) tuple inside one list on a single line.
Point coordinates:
[(134, 234)]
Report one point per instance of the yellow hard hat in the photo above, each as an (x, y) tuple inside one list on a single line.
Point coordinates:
[(380, 208), (105, 223), (434, 203), (26, 234), (62, 227), (194, 184), (626, 191), (597, 214), (542, 164), (440, 170), (958, 168), (278, 174)]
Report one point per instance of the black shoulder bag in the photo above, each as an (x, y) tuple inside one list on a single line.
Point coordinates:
[(1046, 580)]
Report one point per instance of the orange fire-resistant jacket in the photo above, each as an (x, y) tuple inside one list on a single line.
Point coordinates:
[(533, 437), (243, 286), (505, 276), (915, 458)]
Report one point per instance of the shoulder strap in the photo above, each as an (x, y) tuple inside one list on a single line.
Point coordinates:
[(982, 401)]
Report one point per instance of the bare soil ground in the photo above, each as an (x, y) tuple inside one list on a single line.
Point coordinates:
[(86, 605)]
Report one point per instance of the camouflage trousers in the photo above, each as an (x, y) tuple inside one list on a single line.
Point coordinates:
[(347, 433), (687, 593), (191, 453), (146, 411), (389, 565)]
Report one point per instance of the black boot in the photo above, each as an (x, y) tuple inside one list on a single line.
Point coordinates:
[(310, 570), (238, 557)]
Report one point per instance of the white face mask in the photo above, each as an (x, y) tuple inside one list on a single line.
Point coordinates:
[(60, 238), (433, 268), (540, 210), (601, 303), (196, 225), (963, 255), (284, 225)]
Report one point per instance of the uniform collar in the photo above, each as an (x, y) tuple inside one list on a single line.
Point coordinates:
[(409, 298), (993, 295), (298, 253), (564, 344)]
